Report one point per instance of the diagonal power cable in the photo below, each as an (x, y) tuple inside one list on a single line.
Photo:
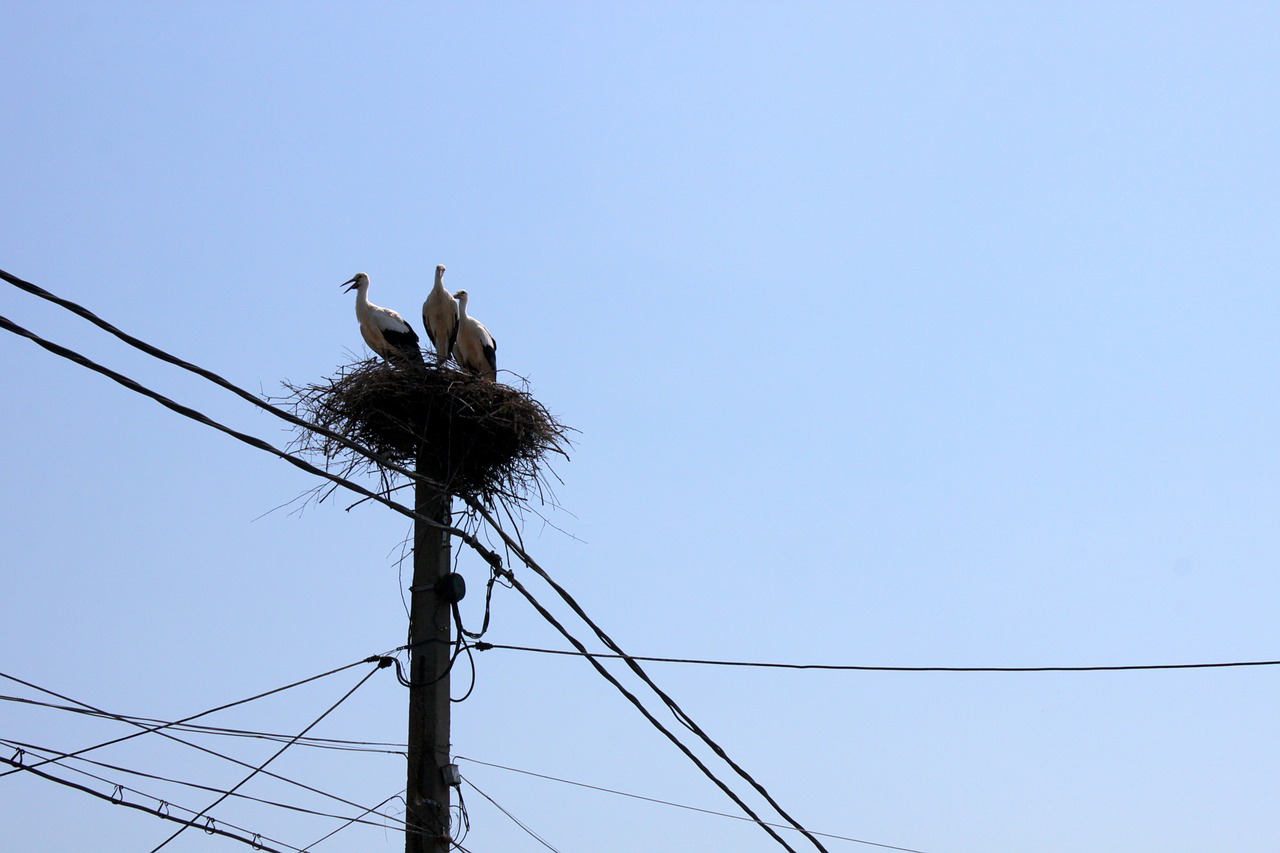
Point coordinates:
[(256, 842), (187, 412), (639, 671), (160, 727), (169, 358), (382, 664), (469, 539), (630, 697)]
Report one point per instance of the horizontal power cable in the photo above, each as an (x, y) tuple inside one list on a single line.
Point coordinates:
[(484, 647), (384, 747)]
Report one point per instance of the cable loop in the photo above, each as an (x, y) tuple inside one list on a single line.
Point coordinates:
[(117, 796), (210, 826)]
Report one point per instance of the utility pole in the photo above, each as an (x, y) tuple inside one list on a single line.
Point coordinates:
[(432, 597)]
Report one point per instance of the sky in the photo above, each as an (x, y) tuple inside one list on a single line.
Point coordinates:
[(899, 334)]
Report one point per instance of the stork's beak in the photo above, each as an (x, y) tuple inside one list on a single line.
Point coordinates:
[(351, 281)]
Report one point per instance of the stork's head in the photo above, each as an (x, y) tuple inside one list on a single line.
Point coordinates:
[(461, 296), (357, 280), (439, 271)]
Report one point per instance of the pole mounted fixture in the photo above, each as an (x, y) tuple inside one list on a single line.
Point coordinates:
[(451, 588)]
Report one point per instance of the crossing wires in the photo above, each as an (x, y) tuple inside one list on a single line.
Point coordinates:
[(469, 539)]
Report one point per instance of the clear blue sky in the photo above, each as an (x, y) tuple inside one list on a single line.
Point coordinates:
[(903, 334)]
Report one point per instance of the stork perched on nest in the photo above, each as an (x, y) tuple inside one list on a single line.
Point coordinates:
[(384, 330), (440, 318), (475, 349)]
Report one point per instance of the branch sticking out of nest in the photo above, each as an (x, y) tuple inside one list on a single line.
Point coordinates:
[(479, 438)]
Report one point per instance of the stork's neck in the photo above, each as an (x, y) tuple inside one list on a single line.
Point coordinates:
[(362, 299), (462, 309)]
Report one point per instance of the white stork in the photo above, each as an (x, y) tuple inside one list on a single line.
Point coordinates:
[(440, 318), (475, 349), (384, 330)]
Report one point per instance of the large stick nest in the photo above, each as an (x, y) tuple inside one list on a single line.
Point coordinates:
[(478, 438)]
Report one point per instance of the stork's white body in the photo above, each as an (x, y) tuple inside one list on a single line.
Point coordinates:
[(384, 330), (440, 318), (475, 349)]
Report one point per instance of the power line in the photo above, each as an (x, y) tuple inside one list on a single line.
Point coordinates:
[(160, 730), (383, 747), (488, 555), (187, 412), (719, 783), (675, 709), (209, 375), (675, 805), (484, 647), (357, 819), (514, 819), (256, 841), (23, 747), (382, 664), (168, 358)]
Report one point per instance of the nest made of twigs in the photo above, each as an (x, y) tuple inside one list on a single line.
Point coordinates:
[(478, 438)]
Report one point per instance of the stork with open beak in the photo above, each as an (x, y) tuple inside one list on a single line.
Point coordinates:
[(384, 330), (475, 349), (440, 318)]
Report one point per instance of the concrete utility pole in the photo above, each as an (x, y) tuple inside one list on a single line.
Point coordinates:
[(427, 790)]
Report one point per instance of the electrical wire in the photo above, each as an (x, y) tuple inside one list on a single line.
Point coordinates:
[(675, 709), (382, 747), (257, 841), (469, 539), (514, 819), (491, 558), (398, 795), (160, 731), (187, 412), (160, 727), (381, 664), (35, 748), (484, 647), (156, 352), (676, 805), (631, 697)]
